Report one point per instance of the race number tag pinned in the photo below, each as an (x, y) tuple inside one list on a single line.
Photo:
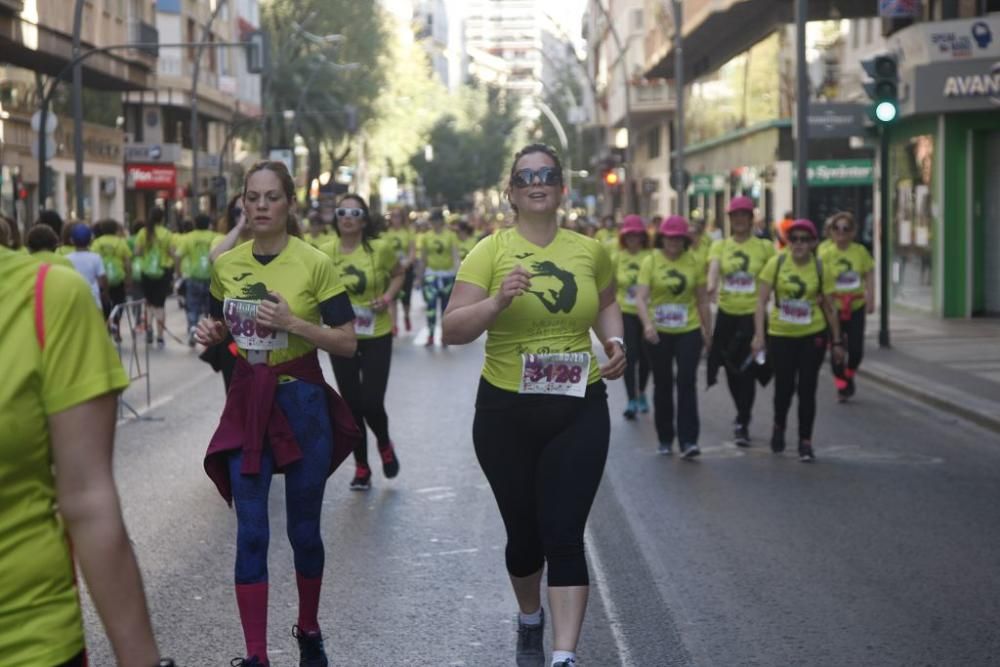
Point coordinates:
[(241, 318), (364, 321), (795, 311), (671, 315), (739, 282), (561, 374), (630, 295), (848, 281)]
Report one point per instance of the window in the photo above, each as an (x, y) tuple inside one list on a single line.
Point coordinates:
[(653, 142)]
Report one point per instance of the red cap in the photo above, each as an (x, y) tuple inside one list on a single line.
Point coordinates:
[(632, 224), (740, 203), (803, 224), (674, 226)]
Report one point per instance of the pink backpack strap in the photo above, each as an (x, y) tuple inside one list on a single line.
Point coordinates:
[(40, 304)]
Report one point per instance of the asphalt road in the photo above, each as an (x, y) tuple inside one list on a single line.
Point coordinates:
[(885, 552)]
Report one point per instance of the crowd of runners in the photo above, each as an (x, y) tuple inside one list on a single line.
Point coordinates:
[(265, 290)]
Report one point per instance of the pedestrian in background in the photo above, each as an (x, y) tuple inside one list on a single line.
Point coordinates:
[(734, 265), (371, 274), (541, 428), (275, 295), (633, 248), (796, 332), (194, 251), (87, 263), (42, 243), (57, 431), (111, 246), (676, 320), (853, 295), (153, 250), (439, 263)]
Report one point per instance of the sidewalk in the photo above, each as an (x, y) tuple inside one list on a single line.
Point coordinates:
[(953, 365)]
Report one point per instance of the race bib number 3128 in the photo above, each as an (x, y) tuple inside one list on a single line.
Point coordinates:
[(241, 318), (562, 374)]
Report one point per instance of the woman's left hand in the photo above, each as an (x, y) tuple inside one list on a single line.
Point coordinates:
[(615, 367), (837, 350), (274, 313), (380, 304)]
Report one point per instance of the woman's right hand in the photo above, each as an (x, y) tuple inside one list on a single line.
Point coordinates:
[(210, 332), (650, 333), (515, 284), (756, 345)]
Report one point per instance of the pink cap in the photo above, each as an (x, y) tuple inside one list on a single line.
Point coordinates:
[(632, 224), (803, 224), (674, 226), (740, 203)]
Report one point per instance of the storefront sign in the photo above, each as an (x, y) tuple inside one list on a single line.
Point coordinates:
[(832, 120), (150, 177), (702, 184), (947, 41), (898, 8), (169, 153), (972, 85), (838, 173)]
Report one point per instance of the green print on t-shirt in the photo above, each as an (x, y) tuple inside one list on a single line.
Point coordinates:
[(676, 287), (358, 287), (564, 298), (742, 261), (256, 291)]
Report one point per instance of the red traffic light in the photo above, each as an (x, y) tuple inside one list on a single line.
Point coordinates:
[(611, 178)]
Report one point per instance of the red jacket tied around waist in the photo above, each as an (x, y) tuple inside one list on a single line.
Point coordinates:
[(252, 414)]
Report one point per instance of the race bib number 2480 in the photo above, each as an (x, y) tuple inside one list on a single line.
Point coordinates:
[(563, 374)]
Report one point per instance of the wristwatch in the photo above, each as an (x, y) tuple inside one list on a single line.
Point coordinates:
[(620, 341)]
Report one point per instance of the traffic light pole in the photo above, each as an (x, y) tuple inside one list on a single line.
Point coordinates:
[(883, 226), (681, 186)]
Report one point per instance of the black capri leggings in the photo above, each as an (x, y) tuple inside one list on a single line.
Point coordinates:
[(543, 457), (636, 356), (156, 290), (406, 291), (362, 380), (742, 386), (796, 362)]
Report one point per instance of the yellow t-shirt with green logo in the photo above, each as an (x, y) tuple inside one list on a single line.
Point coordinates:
[(739, 266), (556, 313), (438, 248), (399, 240), (194, 248), (701, 252), (303, 275), (49, 257), (40, 620), (673, 291), (626, 268), (795, 310), (365, 275), (162, 245), (850, 267), (116, 255), (465, 246)]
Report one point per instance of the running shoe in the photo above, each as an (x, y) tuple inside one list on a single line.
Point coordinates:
[(778, 440), (631, 409), (160, 343), (311, 653), (530, 651), (565, 663), (362, 478), (390, 464), (191, 340), (850, 387), (665, 449), (642, 404), (806, 454), (690, 451), (252, 661), (741, 435)]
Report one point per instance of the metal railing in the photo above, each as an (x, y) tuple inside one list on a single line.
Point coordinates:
[(134, 315)]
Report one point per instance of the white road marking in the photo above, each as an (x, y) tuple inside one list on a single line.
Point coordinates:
[(610, 608)]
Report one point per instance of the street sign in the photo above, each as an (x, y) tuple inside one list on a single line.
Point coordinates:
[(51, 122), (685, 178), (835, 120)]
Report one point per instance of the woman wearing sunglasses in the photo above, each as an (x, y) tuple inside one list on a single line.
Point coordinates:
[(797, 330), (676, 320), (633, 248), (734, 266), (854, 294), (439, 256), (541, 427), (372, 275), (281, 299)]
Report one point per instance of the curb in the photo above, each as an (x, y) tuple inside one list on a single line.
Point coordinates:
[(906, 385)]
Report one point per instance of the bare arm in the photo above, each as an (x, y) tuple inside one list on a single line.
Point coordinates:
[(471, 310), (82, 442), (609, 325), (339, 340), (230, 240), (705, 313), (759, 316), (712, 288), (831, 315), (870, 291), (395, 284)]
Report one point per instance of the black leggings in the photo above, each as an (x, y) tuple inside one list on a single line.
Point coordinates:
[(742, 386), (685, 349), (796, 363), (635, 356), (406, 291), (543, 457), (362, 380), (853, 330), (77, 661)]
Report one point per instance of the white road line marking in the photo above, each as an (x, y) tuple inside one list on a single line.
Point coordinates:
[(163, 400), (610, 608)]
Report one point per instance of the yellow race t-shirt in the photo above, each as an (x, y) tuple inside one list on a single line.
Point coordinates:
[(303, 275), (673, 291), (606, 236), (399, 240), (39, 615), (194, 249), (626, 267), (365, 275), (116, 255), (438, 248), (49, 257), (556, 313), (156, 254), (739, 265), (850, 267), (795, 310), (465, 246)]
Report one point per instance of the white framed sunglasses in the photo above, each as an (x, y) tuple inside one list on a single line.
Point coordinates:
[(350, 213)]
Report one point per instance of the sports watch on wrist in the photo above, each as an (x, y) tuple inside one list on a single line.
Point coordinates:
[(620, 341)]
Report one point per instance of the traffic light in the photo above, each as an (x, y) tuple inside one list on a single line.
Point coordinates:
[(611, 178), (883, 89), (258, 52)]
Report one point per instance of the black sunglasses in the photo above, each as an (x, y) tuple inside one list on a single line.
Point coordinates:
[(800, 238), (522, 178), (350, 212)]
